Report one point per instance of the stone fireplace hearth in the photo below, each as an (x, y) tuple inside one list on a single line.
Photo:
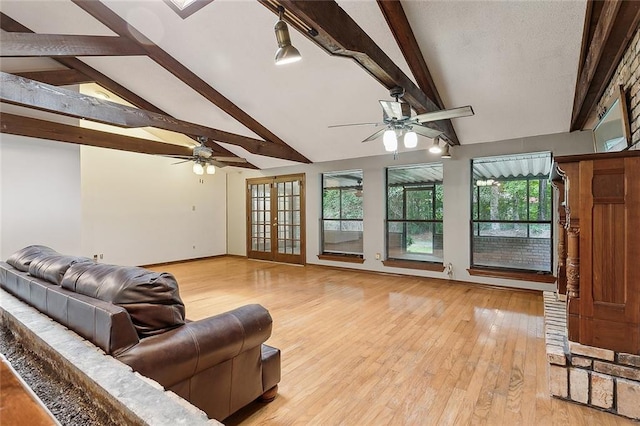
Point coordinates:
[(599, 378)]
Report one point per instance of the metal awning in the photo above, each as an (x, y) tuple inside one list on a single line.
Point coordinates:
[(536, 164), (415, 174)]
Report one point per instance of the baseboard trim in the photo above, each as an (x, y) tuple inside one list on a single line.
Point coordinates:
[(173, 262)]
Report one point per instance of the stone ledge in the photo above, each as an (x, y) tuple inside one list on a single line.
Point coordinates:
[(130, 397), (628, 359), (617, 370), (590, 351), (595, 377)]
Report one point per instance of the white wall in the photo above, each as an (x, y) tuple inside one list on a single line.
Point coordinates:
[(456, 200), (39, 195), (140, 209), (132, 208)]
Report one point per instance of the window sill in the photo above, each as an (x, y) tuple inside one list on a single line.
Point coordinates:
[(342, 258), (414, 264), (513, 275)]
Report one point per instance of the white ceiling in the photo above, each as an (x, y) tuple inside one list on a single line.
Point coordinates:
[(515, 62)]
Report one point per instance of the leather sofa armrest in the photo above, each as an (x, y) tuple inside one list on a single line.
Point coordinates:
[(178, 354)]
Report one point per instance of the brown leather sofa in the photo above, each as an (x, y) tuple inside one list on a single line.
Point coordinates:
[(219, 364)]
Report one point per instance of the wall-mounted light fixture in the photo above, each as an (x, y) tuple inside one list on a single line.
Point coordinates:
[(286, 53)]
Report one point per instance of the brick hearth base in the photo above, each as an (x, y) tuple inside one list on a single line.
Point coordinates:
[(596, 377)]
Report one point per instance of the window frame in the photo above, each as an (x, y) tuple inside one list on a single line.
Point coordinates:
[(434, 265), (502, 270), (336, 255)]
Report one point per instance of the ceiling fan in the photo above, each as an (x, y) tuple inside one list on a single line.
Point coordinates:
[(204, 160), (398, 122)]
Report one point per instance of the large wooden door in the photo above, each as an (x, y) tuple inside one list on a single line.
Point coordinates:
[(609, 253), (275, 219)]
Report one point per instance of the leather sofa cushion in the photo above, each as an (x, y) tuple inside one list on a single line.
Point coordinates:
[(23, 257), (151, 298), (52, 267)]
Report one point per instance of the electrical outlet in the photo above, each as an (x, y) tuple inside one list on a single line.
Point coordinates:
[(377, 256), (449, 270), (95, 257), (101, 256)]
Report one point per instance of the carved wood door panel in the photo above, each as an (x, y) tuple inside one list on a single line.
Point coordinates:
[(610, 253)]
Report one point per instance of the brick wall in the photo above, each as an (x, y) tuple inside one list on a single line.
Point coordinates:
[(512, 252), (628, 74)]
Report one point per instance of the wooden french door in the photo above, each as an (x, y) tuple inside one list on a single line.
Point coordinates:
[(276, 219)]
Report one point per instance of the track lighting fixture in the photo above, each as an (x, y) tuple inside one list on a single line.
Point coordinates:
[(445, 152), (435, 148), (286, 53)]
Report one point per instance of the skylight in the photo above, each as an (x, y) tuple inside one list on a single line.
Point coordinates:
[(182, 4), (186, 8)]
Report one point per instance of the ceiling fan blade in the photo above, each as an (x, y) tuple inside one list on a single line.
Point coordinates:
[(426, 131), (445, 114), (229, 159), (376, 135), (392, 109), (217, 163), (355, 124), (180, 162)]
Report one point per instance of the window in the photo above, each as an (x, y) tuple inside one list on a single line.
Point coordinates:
[(511, 212), (342, 213), (414, 213), (186, 8)]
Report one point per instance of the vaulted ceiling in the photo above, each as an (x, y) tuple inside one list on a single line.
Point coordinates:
[(212, 74)]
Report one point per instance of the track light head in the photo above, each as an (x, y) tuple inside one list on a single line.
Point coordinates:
[(286, 53), (435, 148), (446, 153)]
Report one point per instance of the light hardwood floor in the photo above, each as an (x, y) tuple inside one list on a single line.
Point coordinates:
[(362, 348)]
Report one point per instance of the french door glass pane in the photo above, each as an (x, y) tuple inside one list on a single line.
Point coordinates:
[(260, 218), (288, 203)]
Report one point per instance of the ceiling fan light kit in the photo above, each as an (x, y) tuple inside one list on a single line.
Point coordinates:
[(390, 140), (410, 139), (397, 118), (198, 169), (204, 160), (286, 53)]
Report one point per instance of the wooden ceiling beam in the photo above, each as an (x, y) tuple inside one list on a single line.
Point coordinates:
[(326, 24), (121, 27), (401, 28), (43, 129), (32, 94), (9, 24), (617, 22), (57, 77), (13, 44)]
